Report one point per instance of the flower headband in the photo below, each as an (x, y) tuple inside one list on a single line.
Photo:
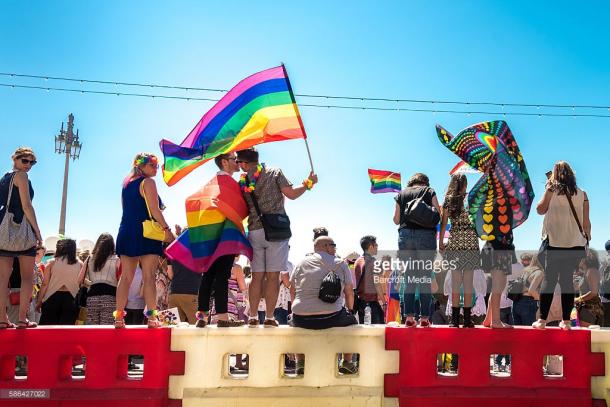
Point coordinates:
[(145, 159)]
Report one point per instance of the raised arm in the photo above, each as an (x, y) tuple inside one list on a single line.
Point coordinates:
[(293, 193)]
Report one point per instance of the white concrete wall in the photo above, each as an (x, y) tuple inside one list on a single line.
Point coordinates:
[(206, 380)]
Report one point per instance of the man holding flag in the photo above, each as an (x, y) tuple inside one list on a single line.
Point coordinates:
[(264, 189)]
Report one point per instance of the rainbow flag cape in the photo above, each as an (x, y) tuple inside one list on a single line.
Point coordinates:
[(259, 109), (215, 217), (384, 181)]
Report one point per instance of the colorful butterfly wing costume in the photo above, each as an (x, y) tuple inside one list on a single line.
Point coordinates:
[(501, 200)]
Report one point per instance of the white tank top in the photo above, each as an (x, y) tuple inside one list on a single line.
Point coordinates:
[(62, 274), (559, 224)]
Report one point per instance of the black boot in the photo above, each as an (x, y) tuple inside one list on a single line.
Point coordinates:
[(455, 317), (467, 318)]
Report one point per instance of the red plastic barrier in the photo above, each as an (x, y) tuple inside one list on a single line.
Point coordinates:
[(419, 384), (50, 352)]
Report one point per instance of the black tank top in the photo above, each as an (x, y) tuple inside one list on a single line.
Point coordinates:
[(15, 206)]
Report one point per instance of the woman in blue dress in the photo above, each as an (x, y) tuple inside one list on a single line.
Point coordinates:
[(139, 188)]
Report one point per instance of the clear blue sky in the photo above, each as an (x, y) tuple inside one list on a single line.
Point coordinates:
[(517, 51)]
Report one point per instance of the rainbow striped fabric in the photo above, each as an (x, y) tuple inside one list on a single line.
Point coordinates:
[(214, 216), (384, 181), (259, 109)]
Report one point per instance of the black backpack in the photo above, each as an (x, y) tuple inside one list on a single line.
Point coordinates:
[(330, 289), (419, 212)]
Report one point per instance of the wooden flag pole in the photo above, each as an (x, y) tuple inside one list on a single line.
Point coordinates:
[(296, 108)]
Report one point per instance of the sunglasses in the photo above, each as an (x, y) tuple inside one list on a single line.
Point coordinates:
[(240, 161), (332, 244), (25, 161)]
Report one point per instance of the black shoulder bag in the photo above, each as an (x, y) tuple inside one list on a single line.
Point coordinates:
[(419, 212), (276, 225)]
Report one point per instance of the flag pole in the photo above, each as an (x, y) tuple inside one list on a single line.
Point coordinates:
[(296, 108)]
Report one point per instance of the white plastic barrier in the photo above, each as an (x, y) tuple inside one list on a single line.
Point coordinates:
[(206, 379)]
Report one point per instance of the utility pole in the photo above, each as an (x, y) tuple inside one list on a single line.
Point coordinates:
[(66, 142)]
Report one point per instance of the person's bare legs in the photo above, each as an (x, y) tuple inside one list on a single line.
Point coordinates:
[(128, 269), (26, 267), (255, 293), (271, 288), (498, 283), (6, 268), (149, 265), (456, 283), (468, 287)]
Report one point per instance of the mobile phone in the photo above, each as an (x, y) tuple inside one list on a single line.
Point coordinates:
[(548, 174)]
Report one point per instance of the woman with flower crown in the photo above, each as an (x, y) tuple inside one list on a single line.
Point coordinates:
[(139, 192)]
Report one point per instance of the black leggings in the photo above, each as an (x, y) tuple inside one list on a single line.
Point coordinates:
[(59, 309), (216, 277), (560, 266)]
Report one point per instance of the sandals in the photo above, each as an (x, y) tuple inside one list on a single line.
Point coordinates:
[(26, 324), (153, 323), (540, 324), (7, 325), (119, 319)]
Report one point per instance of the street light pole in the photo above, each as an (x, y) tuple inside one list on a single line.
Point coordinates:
[(66, 142)]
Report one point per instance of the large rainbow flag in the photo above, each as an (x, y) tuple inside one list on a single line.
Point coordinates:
[(215, 217), (259, 109), (384, 181)]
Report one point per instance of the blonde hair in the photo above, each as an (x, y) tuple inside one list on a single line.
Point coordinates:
[(140, 160), (23, 152)]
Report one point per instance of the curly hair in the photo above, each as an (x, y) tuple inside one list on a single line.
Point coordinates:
[(454, 198), (418, 179), (23, 152)]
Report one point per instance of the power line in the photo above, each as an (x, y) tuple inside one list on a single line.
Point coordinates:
[(350, 107), (352, 98)]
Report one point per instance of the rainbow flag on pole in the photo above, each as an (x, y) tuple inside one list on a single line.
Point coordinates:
[(215, 226), (259, 109), (384, 181)]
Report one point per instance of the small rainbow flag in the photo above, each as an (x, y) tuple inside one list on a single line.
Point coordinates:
[(259, 109), (384, 181), (463, 168), (215, 226)]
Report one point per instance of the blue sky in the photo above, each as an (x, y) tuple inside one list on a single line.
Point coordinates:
[(518, 51)]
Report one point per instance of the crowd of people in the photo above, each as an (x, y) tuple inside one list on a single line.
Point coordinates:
[(427, 278)]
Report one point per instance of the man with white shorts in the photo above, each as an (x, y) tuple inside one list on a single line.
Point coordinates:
[(269, 187)]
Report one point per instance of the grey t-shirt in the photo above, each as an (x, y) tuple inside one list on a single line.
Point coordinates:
[(307, 277), (268, 194)]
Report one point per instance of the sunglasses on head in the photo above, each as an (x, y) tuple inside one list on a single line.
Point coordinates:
[(25, 161)]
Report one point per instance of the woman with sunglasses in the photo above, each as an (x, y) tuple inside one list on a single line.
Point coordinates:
[(20, 206), (139, 191)]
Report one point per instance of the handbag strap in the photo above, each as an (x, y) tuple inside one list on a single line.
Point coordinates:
[(255, 201), (145, 200), (10, 191), (576, 216)]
